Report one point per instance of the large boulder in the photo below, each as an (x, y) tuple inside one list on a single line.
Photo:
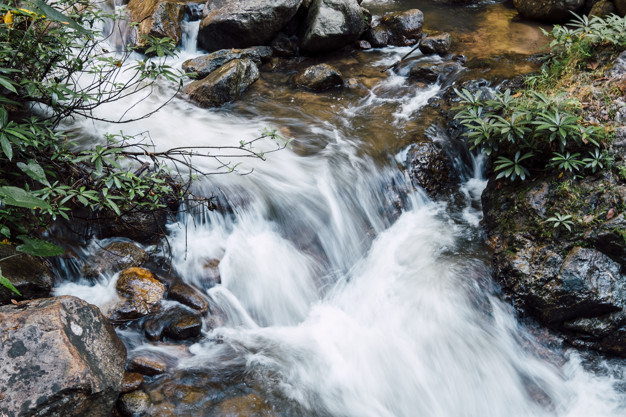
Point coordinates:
[(30, 275), (239, 24), (60, 357), (225, 84), (156, 18), (548, 10), (318, 77), (430, 168), (206, 64), (578, 291), (331, 24)]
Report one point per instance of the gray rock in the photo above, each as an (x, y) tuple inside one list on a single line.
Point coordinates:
[(331, 24), (619, 65), (206, 64), (60, 358), (30, 275), (425, 72), (223, 85), (284, 46), (436, 44), (548, 10), (377, 36), (238, 24), (405, 28), (113, 258), (318, 77), (429, 168)]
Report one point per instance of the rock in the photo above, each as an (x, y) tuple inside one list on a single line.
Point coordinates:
[(142, 291), (602, 9), (363, 44), (234, 24), (113, 258), (436, 44), (429, 168), (619, 66), (177, 323), (189, 296), (318, 77), (377, 36), (548, 10), (134, 403), (225, 84), (206, 64), (284, 46), (425, 72), (30, 275), (249, 406), (158, 18), (405, 28), (620, 5), (331, 24), (193, 11), (60, 358), (140, 226), (132, 381), (148, 365)]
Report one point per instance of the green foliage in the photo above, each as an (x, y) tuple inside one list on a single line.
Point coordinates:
[(55, 66), (561, 220)]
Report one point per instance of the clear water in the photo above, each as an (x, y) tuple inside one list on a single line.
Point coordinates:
[(333, 302)]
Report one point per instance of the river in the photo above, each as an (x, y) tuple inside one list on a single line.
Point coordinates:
[(336, 299)]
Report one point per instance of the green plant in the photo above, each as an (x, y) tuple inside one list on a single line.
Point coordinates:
[(512, 169), (561, 220), (566, 163)]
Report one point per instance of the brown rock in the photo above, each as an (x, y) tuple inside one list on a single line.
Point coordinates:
[(132, 381), (318, 77), (147, 365), (177, 323), (189, 296), (134, 403), (141, 290), (156, 18), (249, 406), (60, 358)]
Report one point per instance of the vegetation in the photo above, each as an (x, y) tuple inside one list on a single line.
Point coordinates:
[(542, 129), (55, 67)]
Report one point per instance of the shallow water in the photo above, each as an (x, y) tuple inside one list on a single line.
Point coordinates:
[(344, 291)]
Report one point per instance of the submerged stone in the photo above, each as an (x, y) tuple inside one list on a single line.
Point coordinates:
[(318, 78)]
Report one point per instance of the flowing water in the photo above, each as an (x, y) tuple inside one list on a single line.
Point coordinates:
[(344, 291)]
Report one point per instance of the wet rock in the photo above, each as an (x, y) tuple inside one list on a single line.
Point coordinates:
[(363, 44), (211, 271), (147, 365), (140, 226), (156, 18), (436, 44), (405, 28), (193, 11), (377, 36), (30, 275), (133, 404), (284, 46), (548, 10), (142, 291), (248, 406), (602, 9), (60, 358), (132, 381), (189, 296), (429, 167), (223, 85), (176, 323), (229, 24), (113, 258), (206, 64), (331, 24), (318, 77), (425, 72)]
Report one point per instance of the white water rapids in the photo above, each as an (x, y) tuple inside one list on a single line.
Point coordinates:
[(338, 307)]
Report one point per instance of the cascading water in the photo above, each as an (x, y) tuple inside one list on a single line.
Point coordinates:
[(334, 302)]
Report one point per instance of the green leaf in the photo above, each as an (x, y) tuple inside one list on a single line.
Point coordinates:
[(15, 196), (7, 148), (38, 247), (53, 14), (6, 283), (6, 83), (35, 171), (5, 231)]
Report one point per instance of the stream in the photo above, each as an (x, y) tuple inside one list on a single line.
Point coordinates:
[(344, 291)]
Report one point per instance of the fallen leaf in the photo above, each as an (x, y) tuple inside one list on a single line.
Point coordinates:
[(14, 302), (611, 213), (592, 65)]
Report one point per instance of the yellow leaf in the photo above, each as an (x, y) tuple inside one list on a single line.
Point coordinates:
[(8, 18)]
